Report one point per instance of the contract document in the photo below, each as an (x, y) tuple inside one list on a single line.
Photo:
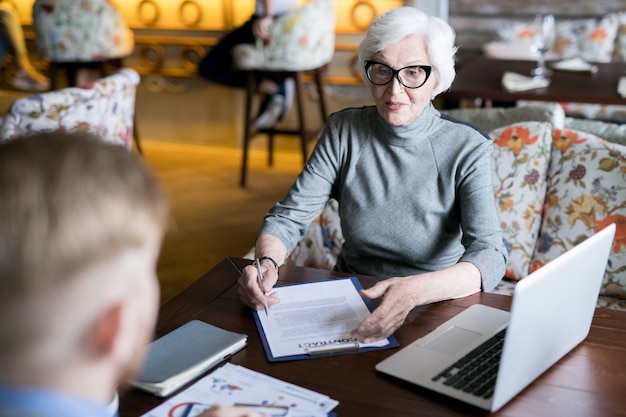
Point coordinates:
[(315, 319)]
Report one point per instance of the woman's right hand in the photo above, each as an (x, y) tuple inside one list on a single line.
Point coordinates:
[(250, 290)]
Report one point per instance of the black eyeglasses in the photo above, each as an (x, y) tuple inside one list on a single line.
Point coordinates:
[(413, 76)]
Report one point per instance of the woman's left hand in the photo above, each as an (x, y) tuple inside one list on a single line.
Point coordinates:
[(401, 295), (392, 311)]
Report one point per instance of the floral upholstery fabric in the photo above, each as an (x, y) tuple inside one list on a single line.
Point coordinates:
[(320, 246), (80, 30), (591, 39), (300, 40), (521, 156), (586, 192), (105, 107)]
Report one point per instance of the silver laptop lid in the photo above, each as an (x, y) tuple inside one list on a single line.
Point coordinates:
[(551, 314)]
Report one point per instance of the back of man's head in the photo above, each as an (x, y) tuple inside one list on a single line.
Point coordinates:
[(68, 202)]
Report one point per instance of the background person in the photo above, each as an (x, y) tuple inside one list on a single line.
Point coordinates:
[(414, 187), (218, 65), (12, 42), (80, 231)]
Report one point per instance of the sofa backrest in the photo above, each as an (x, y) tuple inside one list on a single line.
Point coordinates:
[(488, 119)]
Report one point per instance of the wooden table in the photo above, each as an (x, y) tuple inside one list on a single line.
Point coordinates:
[(482, 78), (590, 381)]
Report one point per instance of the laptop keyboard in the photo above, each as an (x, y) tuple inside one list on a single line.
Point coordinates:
[(475, 373)]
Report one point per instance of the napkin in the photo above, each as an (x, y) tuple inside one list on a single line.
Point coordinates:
[(621, 87), (575, 64), (513, 82)]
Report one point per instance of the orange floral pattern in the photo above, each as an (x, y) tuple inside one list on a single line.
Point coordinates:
[(515, 138), (591, 39), (521, 155), (586, 193)]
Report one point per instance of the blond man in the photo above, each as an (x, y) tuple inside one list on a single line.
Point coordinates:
[(81, 224)]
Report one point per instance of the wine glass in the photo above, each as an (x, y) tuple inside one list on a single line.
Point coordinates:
[(542, 42)]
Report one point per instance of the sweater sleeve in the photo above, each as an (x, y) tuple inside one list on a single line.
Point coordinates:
[(482, 235), (290, 218)]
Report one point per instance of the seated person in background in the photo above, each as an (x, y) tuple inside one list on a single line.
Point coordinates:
[(12, 42), (414, 187), (218, 66), (80, 230)]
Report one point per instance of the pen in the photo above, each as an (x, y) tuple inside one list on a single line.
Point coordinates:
[(272, 410), (260, 273), (333, 348)]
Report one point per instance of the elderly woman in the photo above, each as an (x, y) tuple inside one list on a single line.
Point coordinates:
[(414, 187)]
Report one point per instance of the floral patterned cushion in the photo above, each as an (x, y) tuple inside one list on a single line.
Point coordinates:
[(300, 40), (586, 192), (591, 39), (521, 156), (320, 246), (87, 30), (106, 107)]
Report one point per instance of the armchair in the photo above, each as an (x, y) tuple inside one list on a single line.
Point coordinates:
[(73, 35), (105, 107)]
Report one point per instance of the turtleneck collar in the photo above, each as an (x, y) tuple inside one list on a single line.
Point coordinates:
[(411, 134)]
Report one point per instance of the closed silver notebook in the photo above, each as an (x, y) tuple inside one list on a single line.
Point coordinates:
[(186, 352)]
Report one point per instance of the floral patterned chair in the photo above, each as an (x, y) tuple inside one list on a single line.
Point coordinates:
[(105, 108), (87, 33), (300, 41)]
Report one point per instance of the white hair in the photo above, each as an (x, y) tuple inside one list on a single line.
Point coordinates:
[(397, 24)]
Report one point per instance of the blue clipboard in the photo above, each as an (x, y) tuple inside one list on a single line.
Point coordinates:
[(392, 342)]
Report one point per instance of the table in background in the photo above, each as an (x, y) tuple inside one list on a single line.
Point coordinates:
[(482, 78), (590, 381)]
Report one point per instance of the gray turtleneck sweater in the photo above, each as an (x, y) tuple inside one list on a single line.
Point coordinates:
[(412, 199)]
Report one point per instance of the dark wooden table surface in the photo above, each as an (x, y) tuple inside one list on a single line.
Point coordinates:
[(482, 78), (590, 381)]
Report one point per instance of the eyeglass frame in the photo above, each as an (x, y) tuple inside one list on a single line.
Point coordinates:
[(395, 73)]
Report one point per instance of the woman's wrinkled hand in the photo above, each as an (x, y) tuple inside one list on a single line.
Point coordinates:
[(250, 291), (396, 304)]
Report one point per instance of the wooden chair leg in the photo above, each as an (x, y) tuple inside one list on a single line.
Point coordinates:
[(301, 120), (136, 135), (53, 74), (72, 75), (320, 93), (250, 91)]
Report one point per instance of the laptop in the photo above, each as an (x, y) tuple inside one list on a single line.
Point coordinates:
[(550, 314)]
